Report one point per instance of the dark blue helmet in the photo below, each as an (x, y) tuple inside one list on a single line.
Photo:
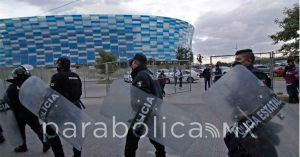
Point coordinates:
[(63, 63), (19, 75)]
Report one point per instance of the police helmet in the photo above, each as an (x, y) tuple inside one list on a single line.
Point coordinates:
[(63, 63), (20, 74)]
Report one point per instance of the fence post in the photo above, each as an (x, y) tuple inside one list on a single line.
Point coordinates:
[(107, 77), (271, 69), (190, 66), (84, 85), (211, 68)]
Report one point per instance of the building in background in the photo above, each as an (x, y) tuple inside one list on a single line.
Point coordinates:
[(39, 41)]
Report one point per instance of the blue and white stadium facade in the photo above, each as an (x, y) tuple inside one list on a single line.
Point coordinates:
[(40, 40)]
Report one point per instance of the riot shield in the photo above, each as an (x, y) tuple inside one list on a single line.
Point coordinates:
[(147, 115), (9, 122), (64, 117), (257, 120)]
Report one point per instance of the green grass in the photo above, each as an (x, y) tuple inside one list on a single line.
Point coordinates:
[(105, 82), (278, 78)]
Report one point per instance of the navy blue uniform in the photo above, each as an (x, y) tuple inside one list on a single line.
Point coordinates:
[(261, 76), (233, 143), (142, 79), (69, 85), (23, 115)]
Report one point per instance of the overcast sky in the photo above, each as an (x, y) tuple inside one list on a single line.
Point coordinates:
[(220, 25)]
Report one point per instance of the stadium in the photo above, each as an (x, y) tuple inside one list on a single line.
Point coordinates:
[(40, 40)]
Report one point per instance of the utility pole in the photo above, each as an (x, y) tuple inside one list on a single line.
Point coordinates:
[(236, 46)]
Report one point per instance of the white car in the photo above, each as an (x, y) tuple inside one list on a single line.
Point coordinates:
[(224, 69), (127, 77), (188, 76), (167, 72), (263, 68)]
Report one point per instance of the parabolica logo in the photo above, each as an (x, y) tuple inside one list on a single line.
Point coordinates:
[(47, 105)]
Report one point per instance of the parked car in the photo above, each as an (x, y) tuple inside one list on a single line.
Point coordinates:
[(224, 69), (263, 68), (201, 72), (166, 72), (278, 71), (127, 77), (188, 76)]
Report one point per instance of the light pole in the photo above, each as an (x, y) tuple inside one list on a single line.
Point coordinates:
[(1, 46)]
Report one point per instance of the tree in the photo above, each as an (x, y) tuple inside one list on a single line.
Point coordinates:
[(262, 60), (199, 58), (184, 54), (223, 64), (106, 57), (289, 35)]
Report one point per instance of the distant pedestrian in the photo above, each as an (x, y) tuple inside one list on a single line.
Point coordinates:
[(180, 77), (162, 81), (175, 76), (207, 75), (292, 80), (218, 73)]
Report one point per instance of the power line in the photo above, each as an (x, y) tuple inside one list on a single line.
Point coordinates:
[(64, 5)]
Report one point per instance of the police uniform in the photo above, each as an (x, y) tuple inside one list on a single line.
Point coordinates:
[(142, 79), (261, 76), (235, 149), (69, 85), (23, 115)]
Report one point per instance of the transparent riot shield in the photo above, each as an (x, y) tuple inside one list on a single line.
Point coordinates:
[(258, 122), (8, 119), (64, 117), (147, 115)]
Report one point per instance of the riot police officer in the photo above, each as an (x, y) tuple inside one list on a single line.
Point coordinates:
[(69, 85), (142, 79), (23, 116), (246, 58)]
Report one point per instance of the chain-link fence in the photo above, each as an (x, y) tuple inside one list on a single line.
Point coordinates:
[(263, 61), (175, 76), (178, 76), (271, 63), (92, 83)]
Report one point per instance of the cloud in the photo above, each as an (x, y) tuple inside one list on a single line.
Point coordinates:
[(219, 25), (13, 8), (248, 26)]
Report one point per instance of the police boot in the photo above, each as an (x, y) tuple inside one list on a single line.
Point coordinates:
[(77, 153), (160, 154), (21, 149), (2, 139), (46, 147)]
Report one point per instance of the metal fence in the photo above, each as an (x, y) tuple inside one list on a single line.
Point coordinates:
[(266, 62), (96, 80), (91, 79), (179, 77)]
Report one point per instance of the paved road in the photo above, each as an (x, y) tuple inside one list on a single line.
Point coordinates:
[(109, 147)]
